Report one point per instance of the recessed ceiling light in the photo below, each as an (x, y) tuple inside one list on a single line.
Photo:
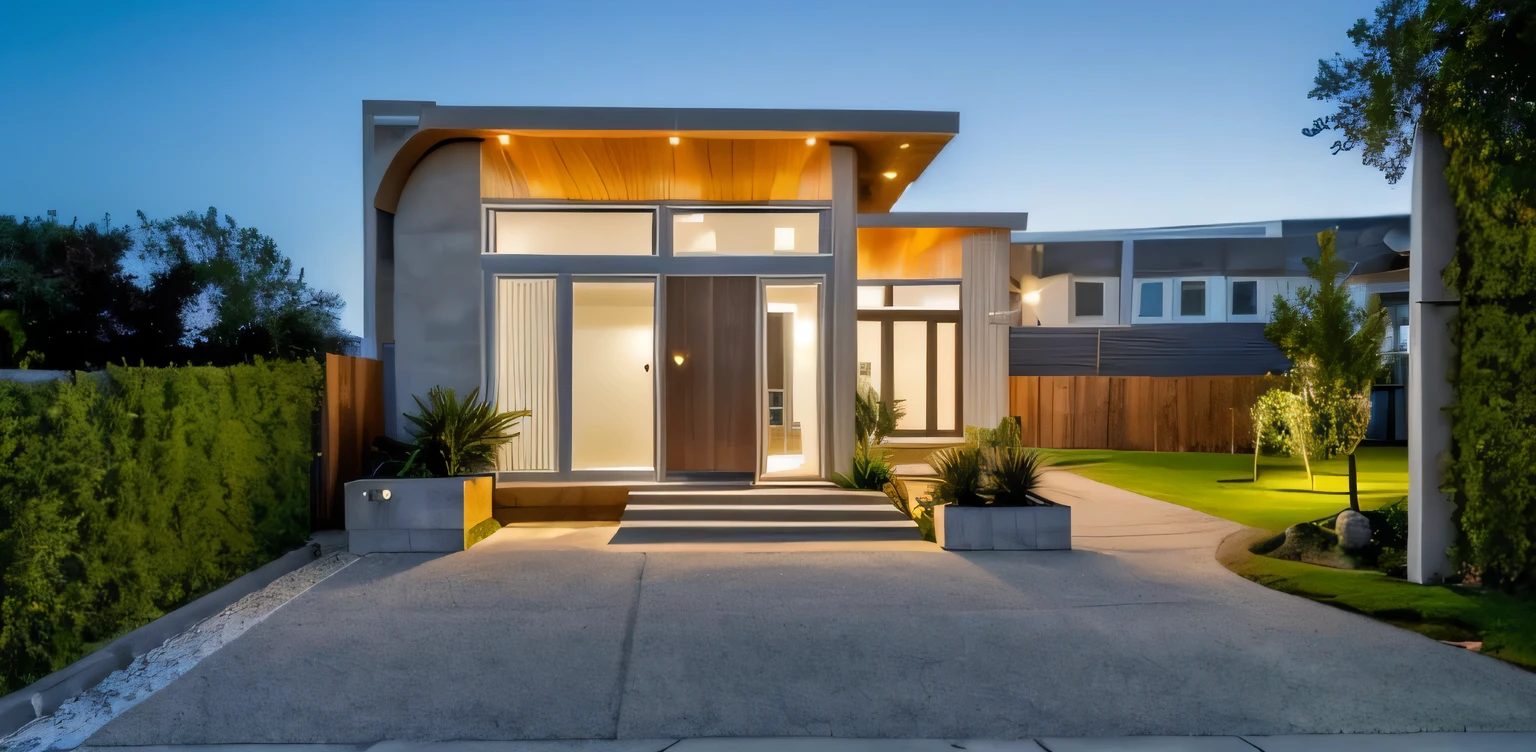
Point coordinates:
[(905, 145), (810, 141), (674, 140), (504, 139), (891, 175)]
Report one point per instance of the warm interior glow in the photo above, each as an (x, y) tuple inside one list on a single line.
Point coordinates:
[(678, 358), (1032, 297), (565, 233), (791, 448), (612, 384), (746, 233), (674, 140), (504, 139), (890, 175), (810, 141)]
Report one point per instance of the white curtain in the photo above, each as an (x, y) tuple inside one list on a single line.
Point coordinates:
[(525, 371)]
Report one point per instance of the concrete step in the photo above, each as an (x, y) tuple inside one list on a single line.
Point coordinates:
[(761, 514)]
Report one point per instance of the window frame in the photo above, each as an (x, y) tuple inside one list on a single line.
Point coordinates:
[(491, 210), (823, 229), (1260, 309), (1110, 296)]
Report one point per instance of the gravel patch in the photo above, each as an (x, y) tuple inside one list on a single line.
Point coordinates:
[(81, 716)]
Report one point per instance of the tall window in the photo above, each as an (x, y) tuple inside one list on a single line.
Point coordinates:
[(525, 371), (1192, 298), (1088, 298), (1245, 298)]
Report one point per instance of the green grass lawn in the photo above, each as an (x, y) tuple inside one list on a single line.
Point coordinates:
[(1222, 484), (1505, 624)]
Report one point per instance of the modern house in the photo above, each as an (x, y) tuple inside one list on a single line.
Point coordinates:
[(694, 294), (678, 294)]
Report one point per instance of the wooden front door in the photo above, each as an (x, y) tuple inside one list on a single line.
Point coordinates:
[(710, 419)]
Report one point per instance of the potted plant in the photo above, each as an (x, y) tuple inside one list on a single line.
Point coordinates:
[(987, 500), (432, 493)]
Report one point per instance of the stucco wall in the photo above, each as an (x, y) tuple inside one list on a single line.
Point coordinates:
[(437, 277)]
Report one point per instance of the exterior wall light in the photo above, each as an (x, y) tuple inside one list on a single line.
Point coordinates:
[(504, 139), (678, 358), (376, 494), (1032, 297), (674, 140)]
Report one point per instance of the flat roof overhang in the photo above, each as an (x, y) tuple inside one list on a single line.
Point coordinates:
[(1013, 221), (877, 135)]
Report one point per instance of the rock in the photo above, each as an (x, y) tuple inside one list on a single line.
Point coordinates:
[(1353, 529)]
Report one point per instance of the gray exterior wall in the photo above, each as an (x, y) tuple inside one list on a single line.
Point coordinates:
[(437, 278), (1144, 350)]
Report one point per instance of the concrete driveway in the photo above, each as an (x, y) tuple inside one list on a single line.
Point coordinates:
[(550, 634)]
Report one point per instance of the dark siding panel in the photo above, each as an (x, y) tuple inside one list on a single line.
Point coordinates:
[(1144, 350)]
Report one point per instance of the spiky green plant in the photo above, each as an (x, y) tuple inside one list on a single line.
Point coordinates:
[(1015, 472), (961, 475), (873, 419), (454, 437), (871, 471)]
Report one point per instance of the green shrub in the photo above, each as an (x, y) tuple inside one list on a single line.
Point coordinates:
[(961, 473), (124, 495), (1006, 434), (454, 437), (1015, 473), (873, 420), (871, 471)]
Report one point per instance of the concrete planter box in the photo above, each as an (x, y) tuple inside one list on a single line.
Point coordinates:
[(421, 514), (989, 528)]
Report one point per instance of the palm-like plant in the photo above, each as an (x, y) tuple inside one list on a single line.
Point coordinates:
[(454, 437), (874, 419), (871, 471), (1015, 474), (961, 475)]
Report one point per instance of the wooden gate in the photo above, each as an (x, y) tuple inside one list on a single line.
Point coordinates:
[(352, 417)]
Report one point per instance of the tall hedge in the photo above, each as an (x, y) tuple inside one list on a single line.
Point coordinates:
[(125, 496)]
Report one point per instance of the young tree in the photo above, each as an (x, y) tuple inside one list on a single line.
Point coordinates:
[(1335, 348)]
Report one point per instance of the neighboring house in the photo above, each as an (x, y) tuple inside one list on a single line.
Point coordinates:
[(694, 294), (677, 294), (1193, 301)]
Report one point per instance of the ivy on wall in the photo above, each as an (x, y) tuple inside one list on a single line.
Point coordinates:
[(125, 495)]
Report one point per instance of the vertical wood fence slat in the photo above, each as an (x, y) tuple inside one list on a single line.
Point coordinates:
[(1142, 413), (352, 417)]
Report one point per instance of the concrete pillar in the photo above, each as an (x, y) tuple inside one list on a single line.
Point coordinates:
[(1430, 351), (984, 317), (844, 328), (1127, 278)]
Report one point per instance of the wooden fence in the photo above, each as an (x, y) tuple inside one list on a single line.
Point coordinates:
[(1146, 413), (352, 417)]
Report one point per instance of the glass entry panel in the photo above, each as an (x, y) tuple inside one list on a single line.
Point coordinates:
[(909, 351), (791, 381), (909, 372), (613, 375)]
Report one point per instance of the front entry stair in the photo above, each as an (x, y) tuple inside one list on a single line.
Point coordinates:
[(759, 514)]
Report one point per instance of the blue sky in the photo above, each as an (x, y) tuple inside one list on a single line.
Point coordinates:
[(1116, 113)]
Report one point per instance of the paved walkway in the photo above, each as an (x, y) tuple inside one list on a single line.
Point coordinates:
[(550, 634)]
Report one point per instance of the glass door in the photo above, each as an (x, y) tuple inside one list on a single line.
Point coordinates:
[(613, 375), (791, 381)]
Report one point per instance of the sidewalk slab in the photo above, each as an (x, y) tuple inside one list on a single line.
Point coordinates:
[(1474, 741), (1146, 744)]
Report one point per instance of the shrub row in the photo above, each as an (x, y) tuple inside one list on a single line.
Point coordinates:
[(126, 494)]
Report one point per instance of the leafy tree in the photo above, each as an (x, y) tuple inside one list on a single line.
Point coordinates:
[(1335, 348), (75, 304), (1465, 70), (250, 303)]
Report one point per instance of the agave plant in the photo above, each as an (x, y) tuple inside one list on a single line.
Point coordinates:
[(454, 437), (871, 471), (1015, 473), (961, 475)]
